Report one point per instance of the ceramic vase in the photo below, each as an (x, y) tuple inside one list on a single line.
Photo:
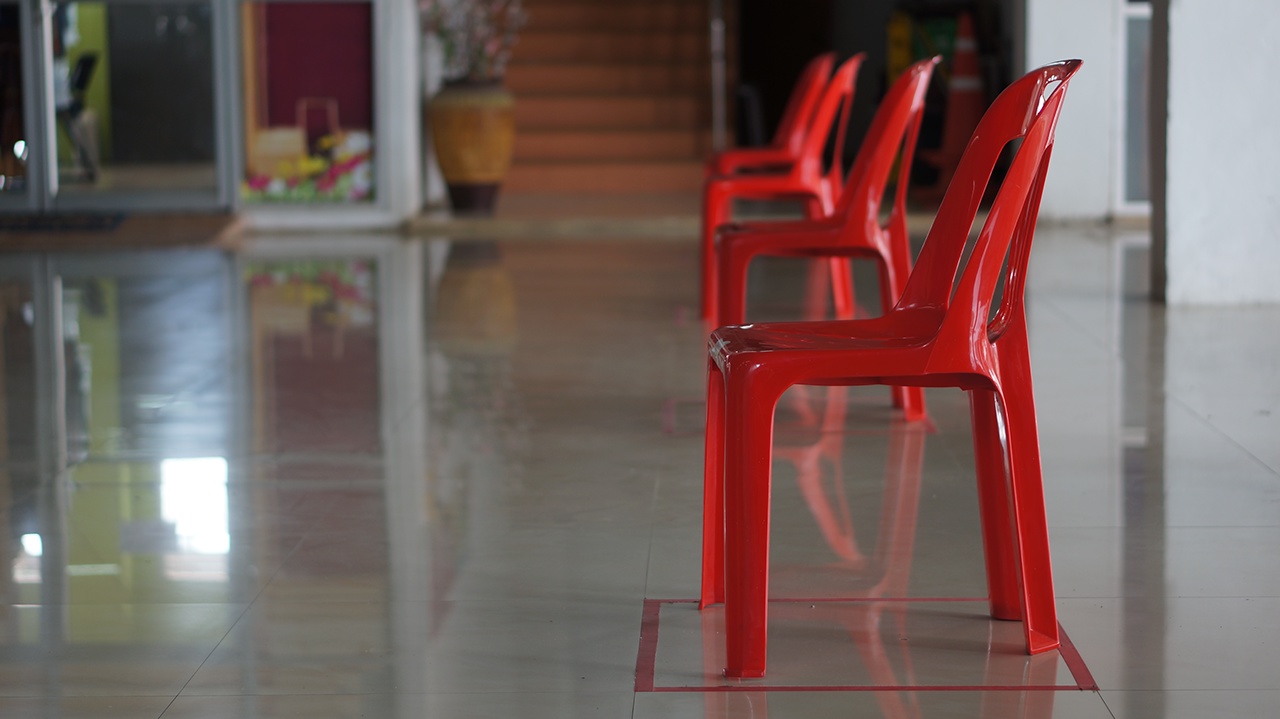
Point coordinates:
[(473, 133)]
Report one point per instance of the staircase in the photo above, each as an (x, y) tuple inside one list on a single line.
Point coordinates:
[(611, 97)]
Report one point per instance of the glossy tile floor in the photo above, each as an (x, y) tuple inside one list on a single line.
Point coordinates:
[(366, 477)]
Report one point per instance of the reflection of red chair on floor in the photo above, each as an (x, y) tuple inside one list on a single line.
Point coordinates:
[(793, 128), (886, 573), (879, 581), (890, 571), (854, 229), (831, 513), (804, 180), (942, 333)]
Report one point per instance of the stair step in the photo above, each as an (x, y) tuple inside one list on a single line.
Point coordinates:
[(615, 78), (611, 97), (533, 146), (612, 46), (605, 178), (604, 112), (652, 15)]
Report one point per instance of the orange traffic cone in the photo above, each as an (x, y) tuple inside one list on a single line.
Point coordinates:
[(966, 102)]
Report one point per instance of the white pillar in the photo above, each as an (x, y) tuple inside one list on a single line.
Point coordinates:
[(1080, 180), (1222, 243)]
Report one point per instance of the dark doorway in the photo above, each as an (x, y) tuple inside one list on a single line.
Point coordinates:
[(161, 71)]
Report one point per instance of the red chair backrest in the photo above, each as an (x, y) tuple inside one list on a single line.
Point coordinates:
[(830, 115), (1027, 110), (896, 125), (794, 124)]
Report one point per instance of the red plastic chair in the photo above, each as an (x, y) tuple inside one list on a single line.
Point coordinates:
[(941, 333), (854, 229), (804, 180), (788, 140)]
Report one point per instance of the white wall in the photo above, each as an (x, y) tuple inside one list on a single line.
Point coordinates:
[(1223, 198), (1080, 174)]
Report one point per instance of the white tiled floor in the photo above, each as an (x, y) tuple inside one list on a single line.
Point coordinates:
[(442, 479)]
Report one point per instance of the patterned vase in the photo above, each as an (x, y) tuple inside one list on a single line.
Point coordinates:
[(473, 132)]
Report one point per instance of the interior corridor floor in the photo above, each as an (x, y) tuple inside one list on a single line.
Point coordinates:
[(346, 477)]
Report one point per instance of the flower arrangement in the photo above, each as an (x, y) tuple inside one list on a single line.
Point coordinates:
[(340, 170), (476, 35)]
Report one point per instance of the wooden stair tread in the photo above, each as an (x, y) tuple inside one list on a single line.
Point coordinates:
[(611, 97), (642, 144), (605, 177), (614, 16), (611, 46), (609, 112), (566, 78)]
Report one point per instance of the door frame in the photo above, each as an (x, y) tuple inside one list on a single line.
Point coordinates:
[(1122, 205)]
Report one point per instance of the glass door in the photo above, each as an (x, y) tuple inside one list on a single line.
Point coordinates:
[(16, 110), (124, 104), (1132, 164)]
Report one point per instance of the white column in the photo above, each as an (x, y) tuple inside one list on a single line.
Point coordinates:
[(1223, 198), (1080, 176), (397, 79)]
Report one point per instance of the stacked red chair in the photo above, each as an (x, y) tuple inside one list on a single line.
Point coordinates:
[(793, 128), (806, 179), (854, 229)]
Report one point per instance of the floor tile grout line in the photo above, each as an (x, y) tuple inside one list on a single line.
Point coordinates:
[(243, 613), (1105, 705), (217, 644), (1205, 421)]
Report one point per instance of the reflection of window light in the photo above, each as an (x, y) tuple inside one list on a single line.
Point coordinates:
[(26, 566), (193, 498), (32, 544)]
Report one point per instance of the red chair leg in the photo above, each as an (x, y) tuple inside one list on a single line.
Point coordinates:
[(1040, 671), (912, 399), (713, 493), (732, 279), (890, 289), (1039, 609), (993, 504), (732, 263), (716, 210), (1026, 484), (817, 285), (842, 295), (892, 278), (748, 447)]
